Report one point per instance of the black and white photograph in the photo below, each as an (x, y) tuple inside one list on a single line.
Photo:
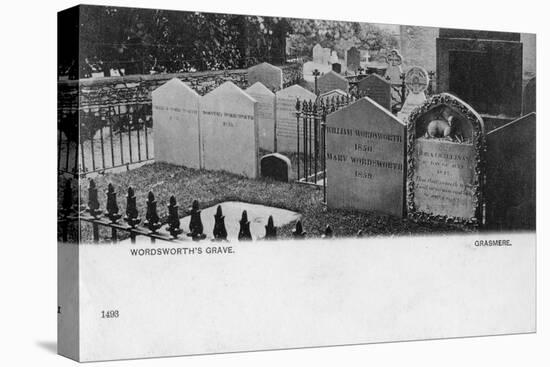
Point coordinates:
[(233, 179)]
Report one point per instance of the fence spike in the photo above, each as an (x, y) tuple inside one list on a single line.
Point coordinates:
[(93, 202), (67, 202), (328, 232), (112, 206), (220, 232), (173, 218), (132, 215), (270, 229), (299, 233), (152, 218), (244, 229), (195, 224)]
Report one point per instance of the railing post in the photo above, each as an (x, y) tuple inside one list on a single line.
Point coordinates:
[(132, 215), (298, 138), (112, 211), (93, 209)]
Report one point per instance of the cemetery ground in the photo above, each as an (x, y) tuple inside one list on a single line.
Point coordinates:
[(214, 187)]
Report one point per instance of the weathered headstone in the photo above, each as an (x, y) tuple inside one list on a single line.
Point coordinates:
[(266, 114), (530, 97), (377, 88), (330, 81), (446, 144), (229, 131), (309, 68), (269, 75), (333, 57), (286, 124), (365, 159), (275, 166), (318, 54), (394, 70), (416, 81), (353, 59), (335, 93), (482, 68), (176, 124), (510, 192), (326, 56), (337, 67)]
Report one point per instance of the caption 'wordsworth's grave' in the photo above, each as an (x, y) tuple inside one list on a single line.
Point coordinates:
[(229, 131), (176, 122), (445, 150), (365, 159)]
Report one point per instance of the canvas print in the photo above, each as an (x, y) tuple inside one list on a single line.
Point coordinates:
[(243, 182)]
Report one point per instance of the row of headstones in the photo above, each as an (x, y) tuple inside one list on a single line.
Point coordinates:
[(224, 129), (355, 59), (437, 166)]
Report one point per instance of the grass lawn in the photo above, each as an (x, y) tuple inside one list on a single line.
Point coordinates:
[(211, 188)]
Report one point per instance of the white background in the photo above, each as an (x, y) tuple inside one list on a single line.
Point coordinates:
[(28, 193)]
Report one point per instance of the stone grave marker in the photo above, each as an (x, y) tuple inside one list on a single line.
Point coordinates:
[(365, 159), (176, 124), (275, 166), (353, 59), (326, 56), (318, 54), (229, 131), (286, 124), (416, 82), (310, 66), (337, 67), (394, 70), (530, 97), (266, 114), (330, 81), (377, 88), (510, 193), (335, 93), (485, 69), (333, 57), (446, 142), (269, 75)]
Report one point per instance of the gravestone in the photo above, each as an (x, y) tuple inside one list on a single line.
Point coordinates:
[(482, 68), (353, 59), (333, 57), (416, 82), (176, 124), (365, 159), (337, 67), (530, 97), (286, 130), (330, 81), (377, 88), (267, 74), (275, 166), (310, 66), (229, 131), (394, 71), (511, 176), (326, 56), (446, 142), (318, 54), (266, 114), (335, 93)]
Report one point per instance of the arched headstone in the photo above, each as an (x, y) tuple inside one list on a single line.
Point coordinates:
[(445, 157)]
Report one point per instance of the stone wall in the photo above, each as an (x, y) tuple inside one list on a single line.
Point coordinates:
[(138, 88)]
